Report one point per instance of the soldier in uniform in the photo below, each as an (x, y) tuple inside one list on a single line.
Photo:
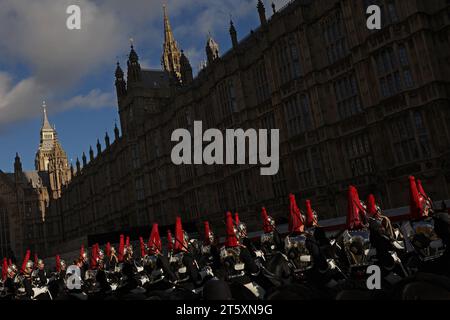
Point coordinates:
[(183, 261), (40, 276), (10, 284)]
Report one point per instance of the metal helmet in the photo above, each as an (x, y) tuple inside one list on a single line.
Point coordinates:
[(422, 237), (185, 237), (12, 269), (29, 264), (358, 247), (63, 264), (101, 254), (150, 261), (242, 230), (40, 261), (113, 250), (298, 253)]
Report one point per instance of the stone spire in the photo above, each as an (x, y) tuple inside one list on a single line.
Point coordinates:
[(212, 49), (171, 53), (233, 34), (45, 123), (262, 12)]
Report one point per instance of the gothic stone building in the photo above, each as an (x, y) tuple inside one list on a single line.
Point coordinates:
[(25, 197), (353, 105)]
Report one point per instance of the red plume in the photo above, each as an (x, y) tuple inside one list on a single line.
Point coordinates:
[(25, 260), (127, 242), (121, 248), (169, 240), (422, 191), (310, 219), (4, 269), (108, 249), (35, 259), (58, 263), (94, 256), (372, 206), (154, 242), (295, 216), (417, 201), (82, 251), (355, 209), (9, 262), (236, 218), (179, 236), (141, 242), (231, 240), (206, 239), (268, 228)]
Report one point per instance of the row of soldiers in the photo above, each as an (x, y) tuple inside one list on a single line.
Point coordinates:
[(304, 263)]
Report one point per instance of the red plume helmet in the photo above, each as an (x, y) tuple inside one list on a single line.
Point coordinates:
[(231, 240), (82, 251), (169, 240), (311, 221), (108, 249), (268, 228), (236, 218), (372, 206), (4, 269), (295, 216), (179, 235), (417, 201), (422, 191), (141, 242), (25, 260), (58, 263), (154, 242), (207, 240), (94, 256), (121, 248), (355, 209)]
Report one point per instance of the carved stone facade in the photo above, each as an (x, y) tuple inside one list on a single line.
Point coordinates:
[(25, 196), (353, 106)]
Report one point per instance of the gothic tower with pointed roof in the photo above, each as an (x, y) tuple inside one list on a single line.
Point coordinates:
[(171, 53), (51, 157)]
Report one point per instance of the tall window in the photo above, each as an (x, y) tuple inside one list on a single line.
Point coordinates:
[(335, 38), (239, 190), (347, 96), (140, 191), (287, 55), (393, 70), (298, 114), (227, 97), (359, 155), (309, 168), (135, 159), (261, 83), (279, 183), (404, 140)]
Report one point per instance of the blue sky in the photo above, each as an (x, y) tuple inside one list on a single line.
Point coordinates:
[(73, 71)]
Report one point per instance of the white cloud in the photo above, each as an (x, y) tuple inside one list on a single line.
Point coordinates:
[(94, 99)]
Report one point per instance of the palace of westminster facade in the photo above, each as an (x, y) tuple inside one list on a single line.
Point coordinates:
[(354, 106)]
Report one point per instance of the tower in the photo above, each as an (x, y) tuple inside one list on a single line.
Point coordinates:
[(233, 34), (51, 157), (171, 53), (212, 50)]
